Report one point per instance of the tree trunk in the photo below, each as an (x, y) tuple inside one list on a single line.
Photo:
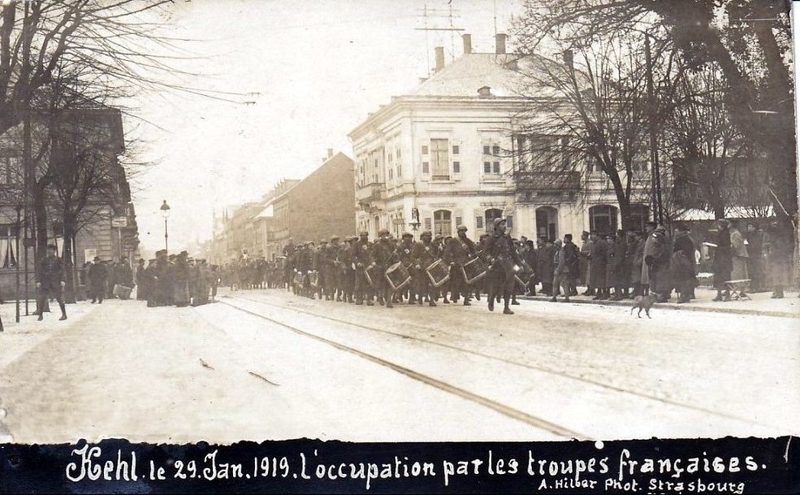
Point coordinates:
[(68, 259), (40, 233)]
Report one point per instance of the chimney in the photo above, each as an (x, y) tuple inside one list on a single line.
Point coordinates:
[(439, 58), (467, 38), (330, 153), (500, 43)]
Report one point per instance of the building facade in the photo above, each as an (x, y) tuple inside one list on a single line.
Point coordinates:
[(445, 155)]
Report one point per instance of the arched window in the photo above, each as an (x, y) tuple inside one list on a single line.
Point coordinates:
[(442, 223), (603, 218), (490, 216)]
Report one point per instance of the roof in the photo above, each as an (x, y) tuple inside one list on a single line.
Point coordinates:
[(467, 74)]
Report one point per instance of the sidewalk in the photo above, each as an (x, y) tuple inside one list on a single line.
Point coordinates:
[(761, 303)]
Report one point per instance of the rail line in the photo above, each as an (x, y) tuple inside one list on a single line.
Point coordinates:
[(427, 379), (474, 353)]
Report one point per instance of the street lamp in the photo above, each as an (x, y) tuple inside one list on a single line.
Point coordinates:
[(165, 214)]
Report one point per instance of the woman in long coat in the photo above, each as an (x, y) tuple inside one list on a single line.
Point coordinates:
[(723, 261)]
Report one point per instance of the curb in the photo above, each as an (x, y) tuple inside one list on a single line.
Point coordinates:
[(675, 306)]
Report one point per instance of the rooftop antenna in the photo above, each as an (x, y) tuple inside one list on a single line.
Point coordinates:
[(495, 19), (433, 13)]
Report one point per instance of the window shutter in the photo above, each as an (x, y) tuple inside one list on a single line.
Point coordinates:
[(478, 221), (510, 222), (459, 217), (428, 223)]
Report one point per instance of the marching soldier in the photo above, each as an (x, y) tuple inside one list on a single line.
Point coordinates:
[(403, 254), (347, 272), (503, 260), (460, 250), (361, 260), (423, 255), (381, 258), (332, 271), (51, 282)]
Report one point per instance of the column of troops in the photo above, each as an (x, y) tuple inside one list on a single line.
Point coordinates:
[(613, 265), (176, 280), (392, 271)]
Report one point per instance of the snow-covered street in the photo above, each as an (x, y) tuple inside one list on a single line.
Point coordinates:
[(265, 364)]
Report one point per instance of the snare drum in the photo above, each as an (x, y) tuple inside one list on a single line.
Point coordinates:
[(397, 275), (438, 273), (474, 270)]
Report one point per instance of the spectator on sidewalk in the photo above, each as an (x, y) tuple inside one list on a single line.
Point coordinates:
[(586, 264), (599, 260), (778, 253), (739, 256), (755, 260), (723, 261), (51, 283), (98, 275), (683, 264), (567, 268)]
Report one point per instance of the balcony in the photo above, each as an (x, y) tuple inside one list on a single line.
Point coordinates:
[(547, 182), (371, 192)]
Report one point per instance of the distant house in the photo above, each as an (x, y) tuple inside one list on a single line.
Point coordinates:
[(315, 208)]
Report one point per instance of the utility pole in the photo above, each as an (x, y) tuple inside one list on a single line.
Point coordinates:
[(441, 14)]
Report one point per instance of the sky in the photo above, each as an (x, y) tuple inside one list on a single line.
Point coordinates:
[(293, 78)]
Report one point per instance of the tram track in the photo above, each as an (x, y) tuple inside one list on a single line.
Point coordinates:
[(509, 411)]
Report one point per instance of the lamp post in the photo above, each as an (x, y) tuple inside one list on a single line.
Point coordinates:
[(165, 214)]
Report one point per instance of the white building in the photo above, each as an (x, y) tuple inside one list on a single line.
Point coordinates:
[(445, 150)]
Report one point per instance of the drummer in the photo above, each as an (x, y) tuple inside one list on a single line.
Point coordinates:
[(422, 256), (382, 257), (403, 254), (459, 251)]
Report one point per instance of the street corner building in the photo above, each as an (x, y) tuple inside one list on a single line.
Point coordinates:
[(457, 149), (84, 207)]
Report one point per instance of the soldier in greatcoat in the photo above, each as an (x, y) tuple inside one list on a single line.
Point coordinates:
[(657, 254), (332, 271), (403, 254), (382, 257), (567, 267), (51, 282), (460, 250), (504, 263), (599, 259), (621, 267)]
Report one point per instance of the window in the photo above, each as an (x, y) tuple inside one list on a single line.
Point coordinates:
[(391, 174), (397, 152), (456, 167), (479, 222), (455, 150), (440, 159), (487, 150), (399, 173), (424, 150), (496, 150), (639, 216), (603, 218), (10, 169), (427, 224), (425, 168), (491, 214), (496, 167), (510, 222), (487, 167), (442, 223), (8, 239)]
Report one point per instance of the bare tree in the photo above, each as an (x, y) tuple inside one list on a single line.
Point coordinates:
[(748, 40), (588, 113)]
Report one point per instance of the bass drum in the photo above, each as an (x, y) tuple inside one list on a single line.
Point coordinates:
[(438, 273)]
